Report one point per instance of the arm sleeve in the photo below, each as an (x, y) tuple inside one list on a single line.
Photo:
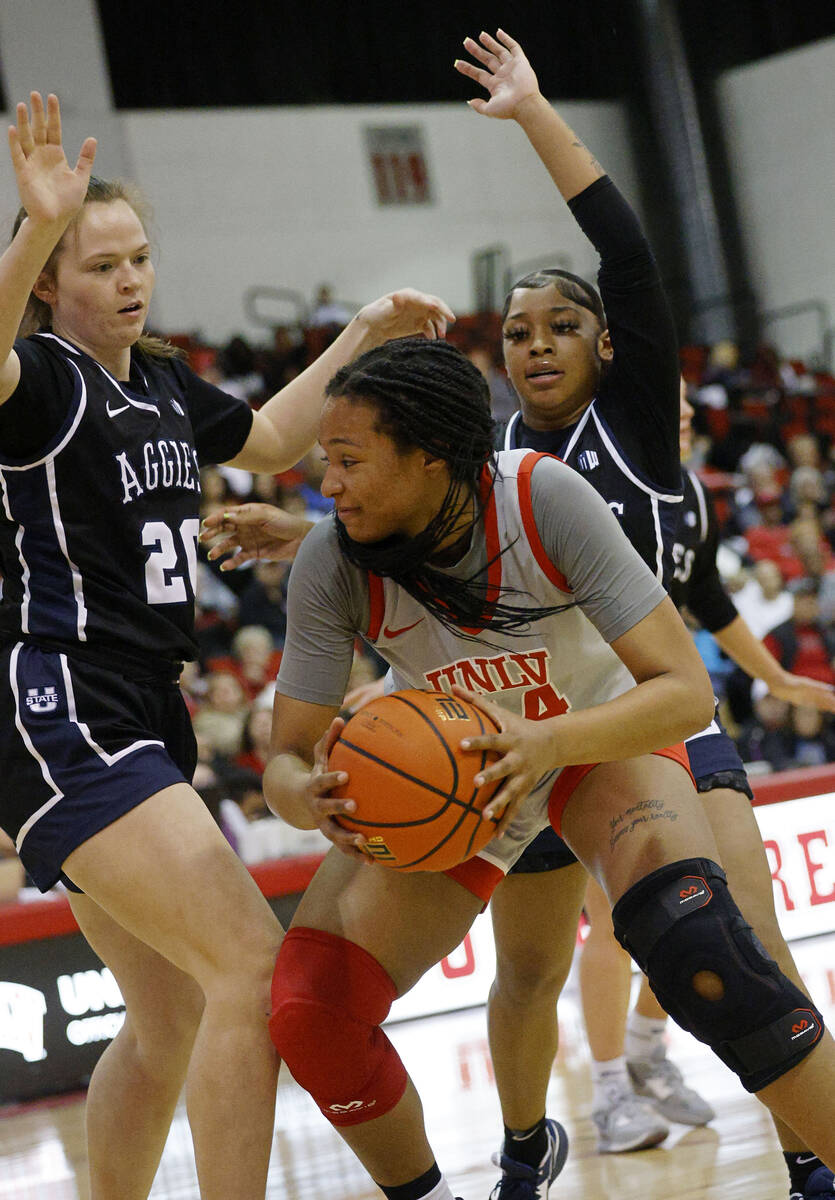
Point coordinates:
[(221, 422), (703, 593), (327, 607), (582, 538), (38, 407), (639, 393)]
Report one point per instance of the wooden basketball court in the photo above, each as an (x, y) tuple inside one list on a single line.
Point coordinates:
[(42, 1153)]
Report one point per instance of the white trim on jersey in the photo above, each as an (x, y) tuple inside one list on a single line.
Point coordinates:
[(58, 524), (659, 540), (28, 743), (669, 497), (66, 345), (84, 729), (24, 568), (700, 496), (82, 407), (713, 727)]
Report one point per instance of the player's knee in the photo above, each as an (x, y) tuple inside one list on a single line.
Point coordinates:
[(529, 973), (329, 998), (711, 973)]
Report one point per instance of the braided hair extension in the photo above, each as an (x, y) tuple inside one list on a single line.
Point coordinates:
[(427, 394), (573, 287)]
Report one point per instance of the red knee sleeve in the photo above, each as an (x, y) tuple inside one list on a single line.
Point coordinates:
[(329, 998)]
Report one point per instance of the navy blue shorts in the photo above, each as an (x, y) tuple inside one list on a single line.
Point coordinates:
[(80, 747), (715, 763)]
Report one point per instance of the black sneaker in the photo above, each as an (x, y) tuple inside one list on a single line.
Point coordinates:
[(521, 1182)]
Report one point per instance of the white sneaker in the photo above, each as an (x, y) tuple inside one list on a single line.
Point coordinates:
[(627, 1122), (660, 1081)]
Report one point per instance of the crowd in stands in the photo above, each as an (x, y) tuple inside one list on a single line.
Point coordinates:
[(764, 446)]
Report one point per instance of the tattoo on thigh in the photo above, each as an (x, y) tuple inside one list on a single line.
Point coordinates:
[(637, 817)]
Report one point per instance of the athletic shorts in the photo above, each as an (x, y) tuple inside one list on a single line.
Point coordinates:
[(80, 747), (541, 811), (714, 763)]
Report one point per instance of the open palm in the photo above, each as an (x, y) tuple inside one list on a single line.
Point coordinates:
[(506, 74), (50, 189)]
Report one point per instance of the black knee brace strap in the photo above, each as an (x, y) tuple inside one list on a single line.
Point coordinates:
[(681, 920)]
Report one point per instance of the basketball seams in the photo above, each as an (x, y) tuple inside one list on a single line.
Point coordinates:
[(467, 832)]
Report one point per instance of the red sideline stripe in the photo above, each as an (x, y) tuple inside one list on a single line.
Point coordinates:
[(52, 916), (793, 785)]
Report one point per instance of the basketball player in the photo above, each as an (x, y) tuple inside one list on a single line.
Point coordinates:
[(452, 564), (605, 970), (102, 432), (600, 388)]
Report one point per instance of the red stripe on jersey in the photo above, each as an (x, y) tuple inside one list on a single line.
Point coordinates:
[(377, 602), (523, 483)]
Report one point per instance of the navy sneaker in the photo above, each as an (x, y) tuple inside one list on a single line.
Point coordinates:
[(521, 1182), (821, 1183)]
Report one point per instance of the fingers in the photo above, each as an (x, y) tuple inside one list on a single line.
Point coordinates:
[(53, 120), (24, 129), (496, 714), (38, 118), (86, 157)]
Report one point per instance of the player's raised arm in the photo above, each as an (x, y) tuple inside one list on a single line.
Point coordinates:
[(514, 94), (51, 192)]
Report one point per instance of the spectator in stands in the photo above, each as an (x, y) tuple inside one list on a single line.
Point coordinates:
[(813, 737), (255, 750), (254, 658), (263, 601), (503, 399), (223, 714), (763, 600), (804, 644), (808, 495), (327, 311), (239, 375), (765, 737)]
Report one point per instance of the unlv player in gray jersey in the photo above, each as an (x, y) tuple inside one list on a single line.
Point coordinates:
[(101, 435), (470, 558)]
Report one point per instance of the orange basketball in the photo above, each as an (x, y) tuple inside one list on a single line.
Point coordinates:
[(417, 804)]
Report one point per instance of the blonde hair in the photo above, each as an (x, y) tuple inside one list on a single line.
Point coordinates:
[(38, 314)]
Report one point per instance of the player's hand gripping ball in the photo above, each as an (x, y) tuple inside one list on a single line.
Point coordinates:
[(417, 805)]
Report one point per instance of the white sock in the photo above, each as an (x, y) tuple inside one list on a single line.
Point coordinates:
[(644, 1037), (608, 1079), (440, 1191)]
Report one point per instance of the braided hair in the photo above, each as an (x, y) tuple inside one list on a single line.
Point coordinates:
[(427, 394)]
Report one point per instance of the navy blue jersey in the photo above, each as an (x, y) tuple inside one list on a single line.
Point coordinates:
[(696, 583), (626, 441), (100, 492)]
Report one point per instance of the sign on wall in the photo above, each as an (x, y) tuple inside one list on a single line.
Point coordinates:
[(398, 164)]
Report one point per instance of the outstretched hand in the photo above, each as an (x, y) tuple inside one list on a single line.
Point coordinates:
[(50, 189), (406, 313), (254, 532), (505, 73), (524, 753), (805, 692)]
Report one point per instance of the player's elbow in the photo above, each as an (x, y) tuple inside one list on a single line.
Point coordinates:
[(697, 700)]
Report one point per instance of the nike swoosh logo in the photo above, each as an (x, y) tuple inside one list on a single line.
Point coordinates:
[(114, 412), (393, 633), (801, 1162)]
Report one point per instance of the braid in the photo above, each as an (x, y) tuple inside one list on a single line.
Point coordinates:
[(428, 394)]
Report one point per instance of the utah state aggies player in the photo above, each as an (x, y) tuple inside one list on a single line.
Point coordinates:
[(598, 385), (101, 435)]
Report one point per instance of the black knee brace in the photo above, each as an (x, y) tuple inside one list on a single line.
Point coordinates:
[(682, 920)]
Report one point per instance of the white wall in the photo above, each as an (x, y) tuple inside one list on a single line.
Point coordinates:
[(780, 116), (284, 197)]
